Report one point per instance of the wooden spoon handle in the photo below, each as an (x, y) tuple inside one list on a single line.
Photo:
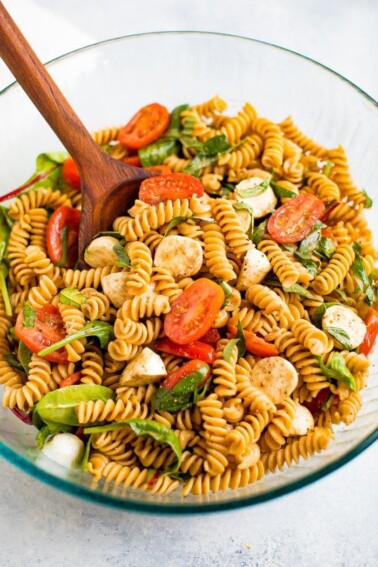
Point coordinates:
[(42, 90)]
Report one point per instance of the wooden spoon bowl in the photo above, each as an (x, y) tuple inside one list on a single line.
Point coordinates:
[(108, 186)]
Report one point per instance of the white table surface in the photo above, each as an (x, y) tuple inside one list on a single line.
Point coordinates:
[(330, 523)]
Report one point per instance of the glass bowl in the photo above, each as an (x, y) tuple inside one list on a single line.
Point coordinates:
[(106, 83)]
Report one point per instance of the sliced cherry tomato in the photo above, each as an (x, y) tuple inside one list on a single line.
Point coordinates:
[(371, 321), (189, 368), (194, 311), (71, 380), (325, 216), (294, 220), (316, 404), (211, 337), (132, 160), (146, 126), (48, 329), (254, 344), (62, 236), (196, 349), (70, 173), (154, 190), (160, 169)]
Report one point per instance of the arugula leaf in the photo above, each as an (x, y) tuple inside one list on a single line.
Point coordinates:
[(300, 290), (245, 206), (29, 316), (368, 200), (175, 221), (327, 168), (319, 312), (24, 355), (147, 428), (72, 296), (253, 191), (103, 331), (123, 257), (282, 192), (326, 247), (258, 233), (337, 369), (341, 336)]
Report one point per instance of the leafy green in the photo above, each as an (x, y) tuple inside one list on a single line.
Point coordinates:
[(343, 296), (368, 200), (327, 168), (11, 359), (310, 243), (300, 290), (72, 296), (176, 220), (208, 153), (311, 266), (246, 207), (254, 191), (227, 290), (29, 316), (337, 369), (50, 428), (282, 192), (226, 189), (48, 171), (328, 403), (5, 228), (239, 341), (58, 406), (24, 355), (122, 255), (112, 233), (365, 284), (64, 259), (227, 351), (182, 395), (319, 312), (84, 462), (341, 336), (147, 428), (258, 233), (103, 331), (4, 289), (326, 247), (158, 151), (174, 129)]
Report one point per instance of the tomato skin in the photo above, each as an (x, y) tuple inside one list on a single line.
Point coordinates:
[(70, 173), (71, 380), (146, 126), (132, 160), (211, 337), (48, 329), (170, 187), (316, 404), (160, 169), (194, 350), (175, 377), (194, 312), (63, 217), (371, 322), (294, 220), (254, 344)]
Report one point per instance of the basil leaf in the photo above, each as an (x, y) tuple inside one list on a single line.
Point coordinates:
[(48, 172), (5, 228), (175, 123), (58, 406), (112, 233), (317, 315), (239, 341), (158, 151), (341, 336), (147, 428), (208, 154), (337, 369), (326, 247), (182, 395), (72, 296), (199, 162), (311, 266), (25, 356), (368, 200), (226, 189), (300, 290), (227, 290), (49, 429), (343, 296), (328, 403), (309, 244), (327, 168), (253, 191), (227, 351), (4, 292), (282, 192), (175, 221), (84, 462), (258, 233), (360, 276), (245, 206), (103, 331), (123, 257), (11, 359), (29, 316)]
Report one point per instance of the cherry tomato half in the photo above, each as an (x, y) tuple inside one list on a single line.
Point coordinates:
[(194, 311), (316, 404), (254, 344), (70, 173), (48, 329), (71, 380), (371, 321), (146, 126), (211, 337), (294, 220), (189, 368), (160, 169), (196, 349), (154, 190), (132, 160), (62, 236)]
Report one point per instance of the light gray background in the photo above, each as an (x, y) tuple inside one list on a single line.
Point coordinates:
[(331, 523)]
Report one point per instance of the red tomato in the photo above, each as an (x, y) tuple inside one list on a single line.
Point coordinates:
[(160, 169), (132, 160), (327, 232), (316, 404), (325, 216), (254, 344), (70, 173), (196, 349), (294, 220), (154, 190), (70, 380), (194, 311), (184, 371), (63, 249), (211, 337), (146, 126), (371, 321), (48, 329)]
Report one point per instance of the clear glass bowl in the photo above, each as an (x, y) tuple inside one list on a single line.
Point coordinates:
[(106, 83)]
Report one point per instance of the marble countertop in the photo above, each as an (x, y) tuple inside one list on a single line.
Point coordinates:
[(330, 523)]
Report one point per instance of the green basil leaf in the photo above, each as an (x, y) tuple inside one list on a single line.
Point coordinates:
[(4, 291), (227, 189), (201, 393), (208, 154), (25, 356), (123, 257), (360, 276), (311, 266), (5, 229), (103, 331), (319, 312), (244, 206), (175, 122), (327, 168), (368, 200), (327, 404), (216, 145), (227, 351), (227, 290), (199, 162), (147, 428), (241, 337), (337, 369), (183, 394), (300, 290), (112, 233), (59, 405), (84, 462), (11, 359), (158, 151), (341, 336), (282, 192), (191, 382), (343, 296), (29, 316), (258, 233), (72, 296), (309, 244), (326, 247), (49, 429), (176, 220), (254, 191)]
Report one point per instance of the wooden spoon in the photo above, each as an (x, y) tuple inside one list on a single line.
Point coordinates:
[(108, 186)]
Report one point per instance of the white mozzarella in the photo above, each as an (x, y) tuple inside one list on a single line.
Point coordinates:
[(302, 422), (115, 288), (254, 269), (65, 449), (262, 204), (180, 255), (145, 368), (346, 320), (275, 376), (244, 218), (100, 252)]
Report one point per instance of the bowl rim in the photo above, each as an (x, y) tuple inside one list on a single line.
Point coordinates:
[(162, 508)]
